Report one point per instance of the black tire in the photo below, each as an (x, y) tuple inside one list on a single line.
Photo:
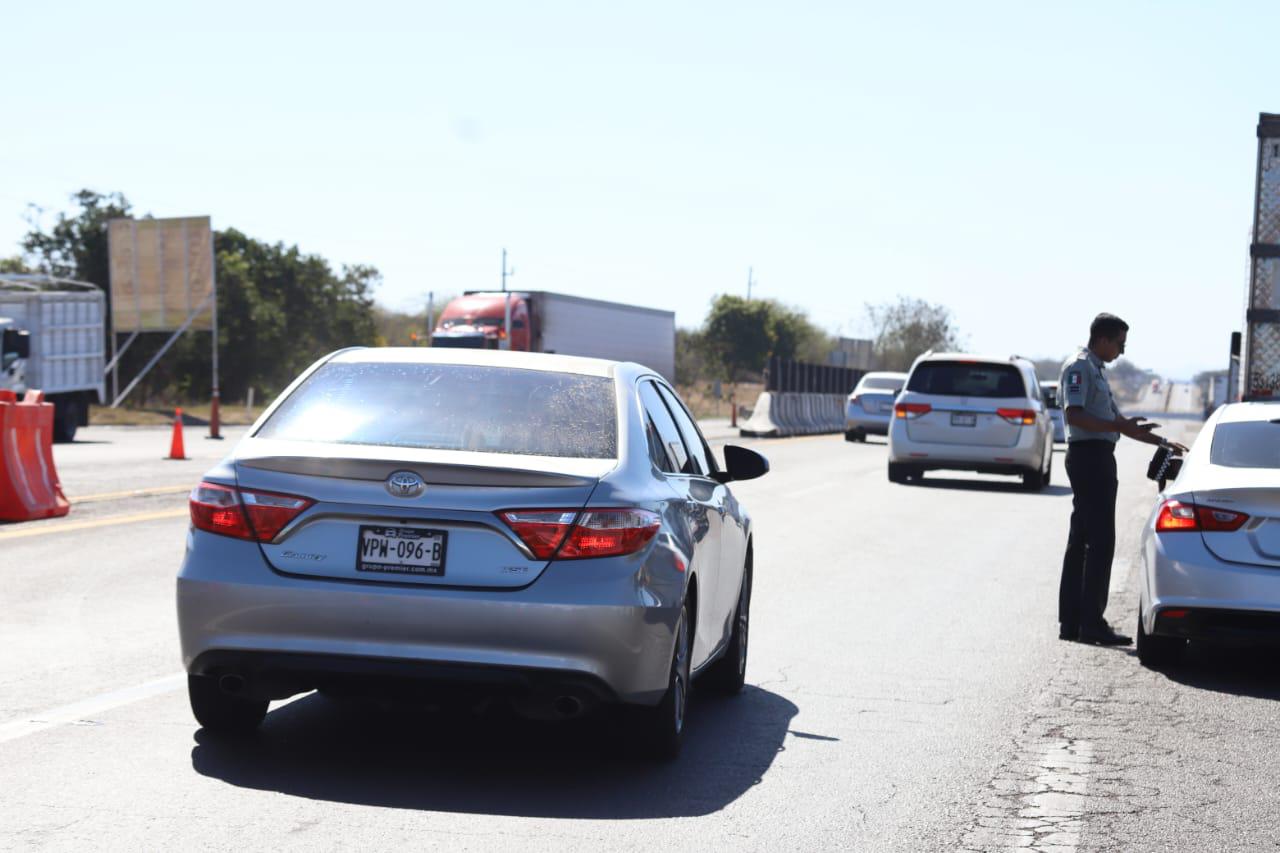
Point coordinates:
[(1156, 652), (728, 675), (850, 435), (663, 725), (66, 419), (898, 472), (1032, 481), (221, 712)]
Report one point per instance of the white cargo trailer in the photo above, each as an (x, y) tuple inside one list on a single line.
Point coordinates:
[(541, 321), (52, 334)]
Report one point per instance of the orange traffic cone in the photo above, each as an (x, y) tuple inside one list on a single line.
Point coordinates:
[(176, 448)]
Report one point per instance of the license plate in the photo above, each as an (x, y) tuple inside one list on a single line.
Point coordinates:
[(958, 419), (401, 550), (886, 407)]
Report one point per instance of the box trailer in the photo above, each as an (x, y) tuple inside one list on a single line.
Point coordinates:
[(542, 321), (52, 338)]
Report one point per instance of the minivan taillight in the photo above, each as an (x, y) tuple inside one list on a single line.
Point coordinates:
[(1176, 515), (569, 535), (1022, 417), (911, 410), (243, 513)]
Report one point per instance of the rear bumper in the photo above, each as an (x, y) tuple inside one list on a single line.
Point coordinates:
[(855, 417), (1223, 601), (604, 627), (1027, 454)]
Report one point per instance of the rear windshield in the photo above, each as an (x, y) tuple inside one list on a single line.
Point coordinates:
[(1249, 444), (452, 407), (880, 383), (1050, 394), (966, 379)]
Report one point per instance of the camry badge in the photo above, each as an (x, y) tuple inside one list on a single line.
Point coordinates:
[(405, 484)]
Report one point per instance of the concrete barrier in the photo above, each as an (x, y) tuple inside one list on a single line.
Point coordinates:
[(779, 414)]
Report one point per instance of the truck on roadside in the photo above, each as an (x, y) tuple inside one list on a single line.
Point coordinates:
[(52, 338), (541, 321)]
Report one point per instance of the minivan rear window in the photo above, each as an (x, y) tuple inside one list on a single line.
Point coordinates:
[(452, 407), (881, 383), (1247, 444), (967, 379)]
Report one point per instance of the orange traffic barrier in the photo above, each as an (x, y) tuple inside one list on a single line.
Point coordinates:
[(29, 485), (176, 448)]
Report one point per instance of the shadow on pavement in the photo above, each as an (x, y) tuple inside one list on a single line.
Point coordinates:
[(989, 486), (499, 764), (1241, 671)]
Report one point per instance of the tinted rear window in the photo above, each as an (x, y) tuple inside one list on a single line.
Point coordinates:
[(880, 383), (965, 379), (452, 407), (1251, 444)]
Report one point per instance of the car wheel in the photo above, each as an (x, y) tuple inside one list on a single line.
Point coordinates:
[(664, 724), (729, 674), (66, 419), (1033, 481), (1158, 652), (897, 472), (218, 711), (850, 435)]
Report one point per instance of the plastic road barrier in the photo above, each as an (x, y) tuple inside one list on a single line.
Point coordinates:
[(29, 485)]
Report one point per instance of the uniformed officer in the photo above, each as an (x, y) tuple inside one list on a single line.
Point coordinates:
[(1094, 425)]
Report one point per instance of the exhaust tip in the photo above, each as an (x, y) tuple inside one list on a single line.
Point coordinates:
[(233, 684), (568, 706)]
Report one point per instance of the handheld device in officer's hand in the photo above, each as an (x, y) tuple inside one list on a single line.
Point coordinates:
[(1164, 466)]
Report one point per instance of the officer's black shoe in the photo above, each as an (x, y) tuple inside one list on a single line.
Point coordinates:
[(1069, 632), (1104, 635)]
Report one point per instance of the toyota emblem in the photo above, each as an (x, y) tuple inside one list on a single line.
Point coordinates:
[(405, 484)]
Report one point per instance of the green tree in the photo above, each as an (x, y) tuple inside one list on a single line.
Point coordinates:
[(909, 327), (739, 335), (14, 264), (76, 245)]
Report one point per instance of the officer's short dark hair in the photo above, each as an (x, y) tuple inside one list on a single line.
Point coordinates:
[(1107, 326)]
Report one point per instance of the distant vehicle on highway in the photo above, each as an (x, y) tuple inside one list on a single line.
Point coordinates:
[(869, 408), (470, 526), (52, 335), (542, 321), (971, 413), (1049, 391), (1211, 546)]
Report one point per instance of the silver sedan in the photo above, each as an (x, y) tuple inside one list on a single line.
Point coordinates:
[(447, 525), (1211, 547)]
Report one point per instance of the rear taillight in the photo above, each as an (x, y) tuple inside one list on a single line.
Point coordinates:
[(911, 410), (1176, 515), (596, 533), (243, 513), (1021, 417)]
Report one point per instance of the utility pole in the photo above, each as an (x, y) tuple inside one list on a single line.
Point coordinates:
[(506, 321), (751, 280), (431, 314)]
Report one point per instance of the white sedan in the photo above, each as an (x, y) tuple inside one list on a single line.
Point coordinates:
[(1211, 548)]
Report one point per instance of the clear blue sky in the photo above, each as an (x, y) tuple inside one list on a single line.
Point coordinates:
[(1026, 164)]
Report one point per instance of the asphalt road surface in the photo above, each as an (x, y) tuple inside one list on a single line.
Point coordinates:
[(907, 692)]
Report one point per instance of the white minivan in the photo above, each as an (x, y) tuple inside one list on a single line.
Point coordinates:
[(962, 412)]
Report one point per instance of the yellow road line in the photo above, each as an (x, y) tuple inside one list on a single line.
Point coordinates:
[(69, 526), (131, 493)]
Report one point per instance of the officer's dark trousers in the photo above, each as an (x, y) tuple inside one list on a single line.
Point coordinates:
[(1086, 568)]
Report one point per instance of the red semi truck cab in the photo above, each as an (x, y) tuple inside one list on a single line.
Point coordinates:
[(478, 320)]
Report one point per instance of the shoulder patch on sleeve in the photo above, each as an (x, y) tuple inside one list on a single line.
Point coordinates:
[(1073, 378)]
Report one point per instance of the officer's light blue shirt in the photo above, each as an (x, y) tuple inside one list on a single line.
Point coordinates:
[(1083, 383)]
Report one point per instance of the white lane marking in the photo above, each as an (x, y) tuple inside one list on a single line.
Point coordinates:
[(1058, 807), (83, 711), (88, 708), (1119, 577)]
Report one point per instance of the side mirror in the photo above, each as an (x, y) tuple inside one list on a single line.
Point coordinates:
[(741, 464), (16, 342)]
